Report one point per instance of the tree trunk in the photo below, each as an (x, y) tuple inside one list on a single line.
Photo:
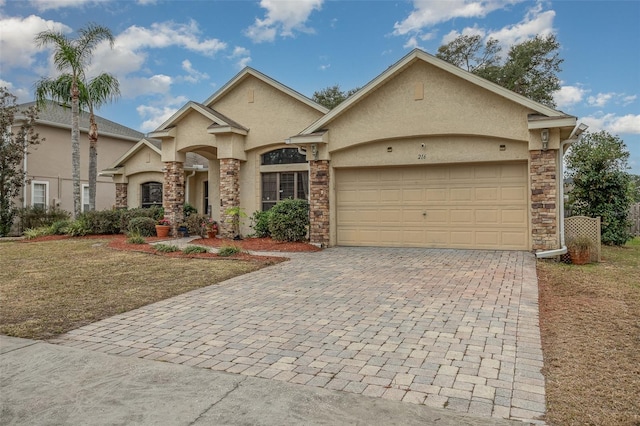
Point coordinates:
[(93, 161), (75, 149)]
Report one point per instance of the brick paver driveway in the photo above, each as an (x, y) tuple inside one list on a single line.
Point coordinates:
[(446, 328)]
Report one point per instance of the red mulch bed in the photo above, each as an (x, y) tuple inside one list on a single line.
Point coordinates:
[(119, 242)]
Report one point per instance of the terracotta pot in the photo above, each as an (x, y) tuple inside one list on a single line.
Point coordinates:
[(580, 257), (212, 234), (162, 230)]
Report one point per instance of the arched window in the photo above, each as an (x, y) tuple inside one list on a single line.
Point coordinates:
[(151, 194), (284, 174)]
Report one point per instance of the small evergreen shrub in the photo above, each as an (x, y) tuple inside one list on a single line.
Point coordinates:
[(77, 228), (289, 220), (194, 250), (36, 217), (143, 226), (103, 222), (260, 223), (59, 227), (166, 248), (135, 238), (226, 251), (156, 213)]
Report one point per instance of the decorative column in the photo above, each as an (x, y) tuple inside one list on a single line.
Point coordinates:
[(173, 193), (319, 202), (544, 211), (121, 195), (229, 194)]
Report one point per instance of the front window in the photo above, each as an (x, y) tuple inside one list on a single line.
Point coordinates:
[(285, 174), (85, 198), (39, 194), (151, 194)]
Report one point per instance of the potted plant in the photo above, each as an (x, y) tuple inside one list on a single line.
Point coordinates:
[(212, 228), (580, 249), (163, 227)]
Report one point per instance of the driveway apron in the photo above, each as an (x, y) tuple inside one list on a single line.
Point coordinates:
[(445, 328)]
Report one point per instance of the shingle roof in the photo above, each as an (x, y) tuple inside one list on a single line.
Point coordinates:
[(60, 115)]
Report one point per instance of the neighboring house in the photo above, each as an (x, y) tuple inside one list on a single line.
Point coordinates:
[(48, 165), (424, 155), (138, 176)]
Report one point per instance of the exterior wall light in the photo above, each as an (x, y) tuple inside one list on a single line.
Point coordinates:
[(544, 135)]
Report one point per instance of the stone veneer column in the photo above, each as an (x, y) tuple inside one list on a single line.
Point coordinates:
[(173, 193), (544, 228), (121, 195), (229, 193), (319, 202)]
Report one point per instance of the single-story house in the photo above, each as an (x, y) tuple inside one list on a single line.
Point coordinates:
[(48, 165), (424, 155)]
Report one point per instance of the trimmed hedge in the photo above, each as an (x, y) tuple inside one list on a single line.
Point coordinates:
[(289, 220)]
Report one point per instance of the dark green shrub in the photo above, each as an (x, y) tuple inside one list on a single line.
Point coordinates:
[(166, 248), (260, 223), (188, 210), (77, 228), (194, 250), (226, 251), (59, 227), (289, 220), (143, 226), (103, 221), (36, 217), (156, 213)]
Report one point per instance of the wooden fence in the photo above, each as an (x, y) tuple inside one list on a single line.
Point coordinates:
[(634, 217)]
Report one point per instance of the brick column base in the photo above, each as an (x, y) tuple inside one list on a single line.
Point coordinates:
[(173, 193), (121, 195), (319, 202), (544, 227), (229, 194)]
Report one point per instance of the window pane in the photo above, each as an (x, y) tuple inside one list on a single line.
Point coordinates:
[(270, 187), (287, 181), (303, 185), (85, 198), (283, 156), (151, 194), (40, 195)]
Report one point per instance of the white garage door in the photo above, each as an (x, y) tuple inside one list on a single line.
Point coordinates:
[(481, 206)]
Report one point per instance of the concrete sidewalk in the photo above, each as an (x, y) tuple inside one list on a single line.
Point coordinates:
[(41, 383)]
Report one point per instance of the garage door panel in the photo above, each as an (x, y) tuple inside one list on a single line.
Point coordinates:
[(466, 206)]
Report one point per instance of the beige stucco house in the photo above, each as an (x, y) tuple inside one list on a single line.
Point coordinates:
[(48, 165), (424, 155)]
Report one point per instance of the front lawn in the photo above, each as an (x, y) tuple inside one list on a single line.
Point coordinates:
[(50, 287), (590, 325)]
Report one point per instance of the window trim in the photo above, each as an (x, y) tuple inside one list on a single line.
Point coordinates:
[(46, 192)]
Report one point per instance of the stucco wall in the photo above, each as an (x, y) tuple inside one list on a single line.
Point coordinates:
[(449, 106), (134, 196), (50, 161)]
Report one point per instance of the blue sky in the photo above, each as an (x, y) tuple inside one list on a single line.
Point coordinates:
[(169, 52)]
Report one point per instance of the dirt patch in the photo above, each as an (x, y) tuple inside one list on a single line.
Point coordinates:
[(590, 326)]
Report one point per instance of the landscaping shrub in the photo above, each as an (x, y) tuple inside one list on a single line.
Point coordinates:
[(36, 217), (260, 223), (197, 224), (188, 210), (143, 226), (135, 238), (77, 228), (103, 221), (194, 250), (32, 233), (226, 251), (166, 248), (59, 227), (289, 220), (156, 213)]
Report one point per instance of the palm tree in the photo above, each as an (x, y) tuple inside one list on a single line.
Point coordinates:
[(73, 56), (92, 95)]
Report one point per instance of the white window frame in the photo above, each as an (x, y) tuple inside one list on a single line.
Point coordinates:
[(83, 199), (46, 192)]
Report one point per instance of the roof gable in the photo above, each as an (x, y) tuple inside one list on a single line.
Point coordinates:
[(410, 59), (248, 71), (220, 120), (153, 144)]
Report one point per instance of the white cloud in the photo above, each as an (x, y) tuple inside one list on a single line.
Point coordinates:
[(601, 99), (22, 94), (43, 5), (428, 13), (136, 86), (469, 31), (193, 76), (283, 17), (569, 95), (156, 115), (628, 99), (535, 23), (242, 55), (16, 44), (612, 123)]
